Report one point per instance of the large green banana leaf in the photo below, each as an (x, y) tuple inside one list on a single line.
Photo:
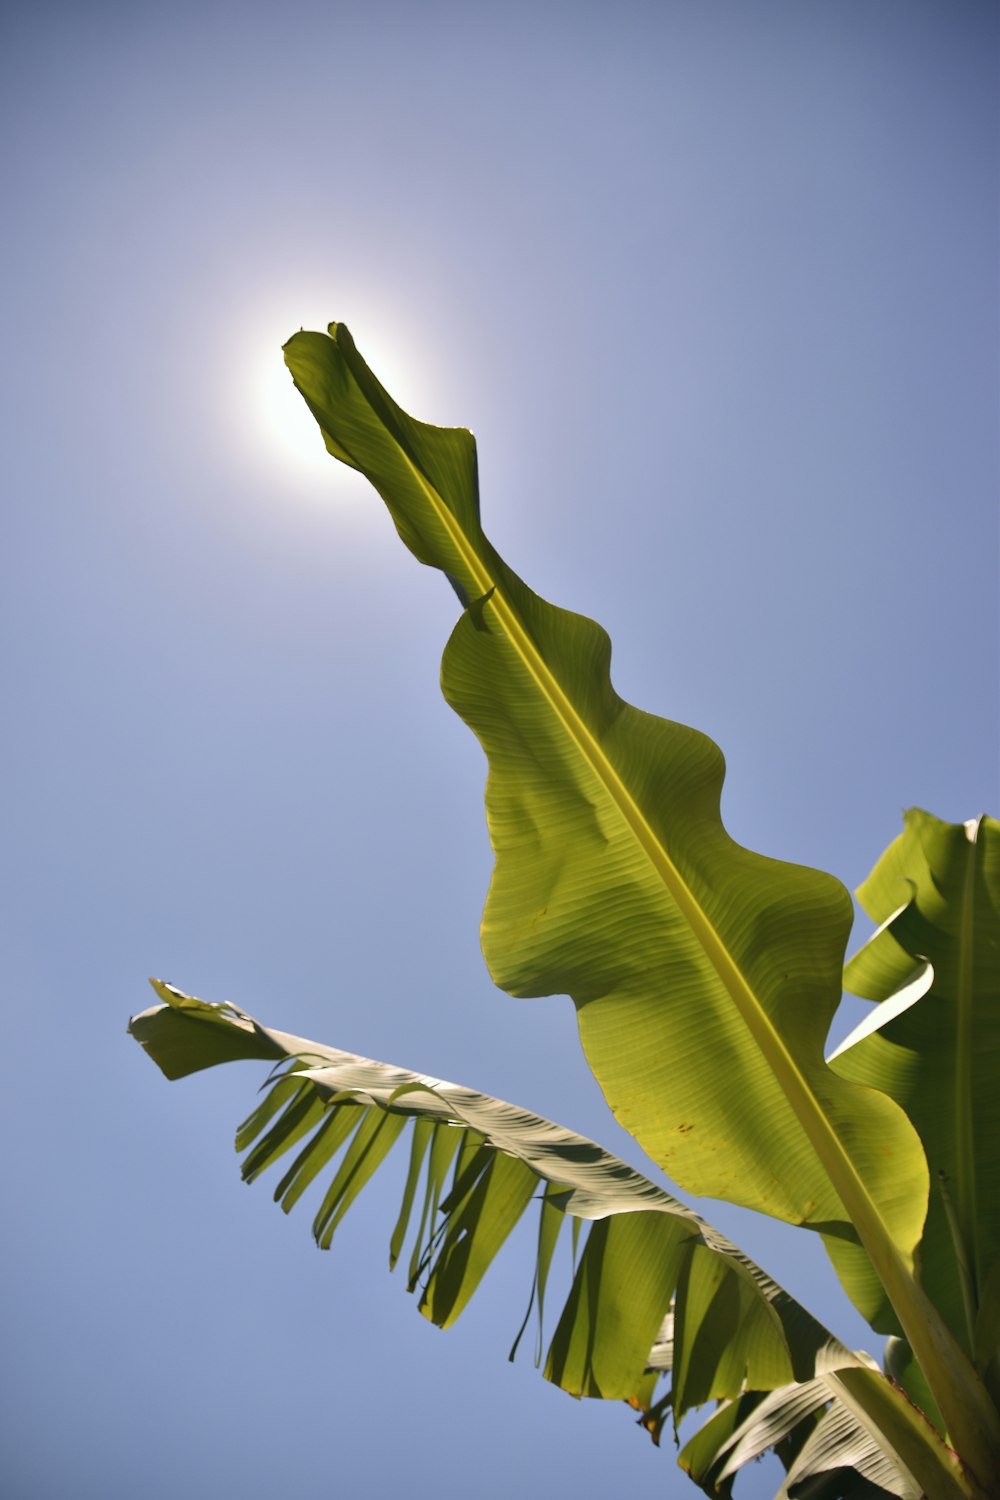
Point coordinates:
[(936, 895), (655, 1291), (705, 976)]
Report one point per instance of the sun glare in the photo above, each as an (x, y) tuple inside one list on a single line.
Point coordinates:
[(287, 427), (285, 434)]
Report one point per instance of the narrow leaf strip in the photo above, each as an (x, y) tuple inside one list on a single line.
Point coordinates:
[(372, 1142), (320, 1151), (422, 1133)]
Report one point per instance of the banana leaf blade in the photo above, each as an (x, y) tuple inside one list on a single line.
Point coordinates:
[(636, 1261), (705, 976), (936, 894), (656, 1292)]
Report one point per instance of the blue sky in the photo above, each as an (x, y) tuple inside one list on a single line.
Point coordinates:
[(715, 286)]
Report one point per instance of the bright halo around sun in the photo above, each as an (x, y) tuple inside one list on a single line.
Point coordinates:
[(287, 427), (284, 432)]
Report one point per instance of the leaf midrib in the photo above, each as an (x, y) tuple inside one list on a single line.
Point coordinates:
[(964, 1122)]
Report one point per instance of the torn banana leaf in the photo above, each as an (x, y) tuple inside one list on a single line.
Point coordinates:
[(475, 1165), (656, 1292)]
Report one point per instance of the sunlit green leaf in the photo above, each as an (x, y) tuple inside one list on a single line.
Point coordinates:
[(705, 976), (644, 1254), (936, 892)]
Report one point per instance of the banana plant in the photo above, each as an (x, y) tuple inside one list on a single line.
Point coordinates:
[(705, 979)]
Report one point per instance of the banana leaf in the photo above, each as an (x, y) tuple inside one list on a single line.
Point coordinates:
[(705, 976), (840, 1461), (656, 1291), (845, 1435), (936, 895)]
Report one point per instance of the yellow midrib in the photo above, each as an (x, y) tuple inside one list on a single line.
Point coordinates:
[(964, 1122)]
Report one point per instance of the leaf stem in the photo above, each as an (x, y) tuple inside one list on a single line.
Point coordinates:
[(963, 1229)]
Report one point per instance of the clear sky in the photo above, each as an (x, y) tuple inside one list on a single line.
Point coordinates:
[(715, 286)]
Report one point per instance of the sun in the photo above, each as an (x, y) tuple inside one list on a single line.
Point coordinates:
[(283, 434), (286, 427)]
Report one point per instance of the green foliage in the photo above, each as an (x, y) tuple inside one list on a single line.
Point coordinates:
[(936, 895), (705, 979)]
